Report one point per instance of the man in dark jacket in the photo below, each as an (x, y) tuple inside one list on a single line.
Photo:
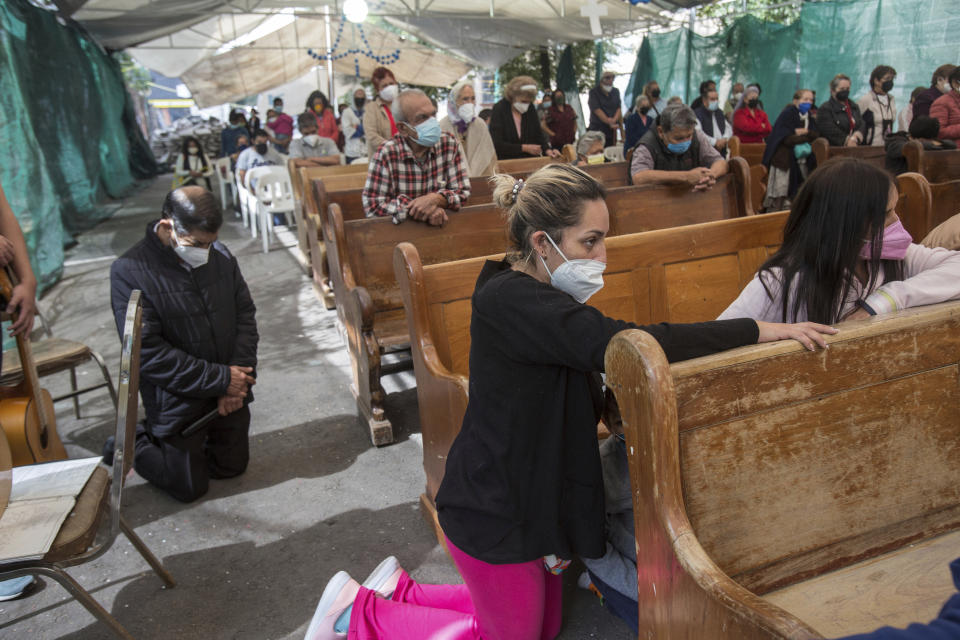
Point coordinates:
[(676, 153), (199, 346)]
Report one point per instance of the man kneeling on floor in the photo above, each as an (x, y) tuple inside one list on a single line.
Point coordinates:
[(199, 347)]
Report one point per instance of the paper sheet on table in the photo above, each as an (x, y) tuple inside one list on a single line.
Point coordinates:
[(29, 527), (51, 479)]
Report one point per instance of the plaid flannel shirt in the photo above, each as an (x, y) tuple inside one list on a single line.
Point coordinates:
[(396, 177)]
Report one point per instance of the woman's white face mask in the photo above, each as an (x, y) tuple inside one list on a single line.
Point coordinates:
[(581, 278)]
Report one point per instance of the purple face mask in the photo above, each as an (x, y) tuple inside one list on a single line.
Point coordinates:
[(896, 239)]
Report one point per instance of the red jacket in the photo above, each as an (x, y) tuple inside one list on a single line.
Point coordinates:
[(946, 109), (327, 124), (751, 127)]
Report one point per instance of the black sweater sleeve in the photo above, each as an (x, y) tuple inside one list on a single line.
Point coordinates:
[(545, 325), (500, 123)]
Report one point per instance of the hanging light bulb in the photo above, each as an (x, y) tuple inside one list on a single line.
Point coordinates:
[(355, 10)]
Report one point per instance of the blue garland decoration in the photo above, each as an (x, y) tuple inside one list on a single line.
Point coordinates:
[(385, 60)]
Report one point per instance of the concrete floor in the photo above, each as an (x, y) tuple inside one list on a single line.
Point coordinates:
[(251, 558)]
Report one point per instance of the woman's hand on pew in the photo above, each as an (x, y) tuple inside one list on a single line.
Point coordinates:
[(809, 334)]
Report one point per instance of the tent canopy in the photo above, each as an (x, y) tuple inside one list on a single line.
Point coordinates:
[(228, 49)]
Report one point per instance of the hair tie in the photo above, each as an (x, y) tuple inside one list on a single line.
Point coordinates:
[(516, 190)]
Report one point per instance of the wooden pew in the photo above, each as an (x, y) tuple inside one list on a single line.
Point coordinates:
[(369, 302), (752, 152), (681, 274), (780, 493), (523, 164), (347, 192), (822, 151), (923, 206), (935, 166), (302, 173)]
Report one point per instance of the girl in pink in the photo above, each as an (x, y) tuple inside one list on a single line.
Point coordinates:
[(845, 255), (319, 106), (523, 488)]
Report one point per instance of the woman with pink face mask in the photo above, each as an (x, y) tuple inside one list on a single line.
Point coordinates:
[(846, 255)]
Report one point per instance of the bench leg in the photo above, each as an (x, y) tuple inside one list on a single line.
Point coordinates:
[(365, 355), (73, 387), (326, 287)]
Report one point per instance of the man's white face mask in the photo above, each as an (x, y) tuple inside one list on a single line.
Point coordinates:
[(193, 256)]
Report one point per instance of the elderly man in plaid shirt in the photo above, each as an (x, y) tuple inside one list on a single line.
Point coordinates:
[(419, 172)]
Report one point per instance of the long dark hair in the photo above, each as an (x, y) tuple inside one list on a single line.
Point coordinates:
[(313, 96), (841, 204), (185, 144)]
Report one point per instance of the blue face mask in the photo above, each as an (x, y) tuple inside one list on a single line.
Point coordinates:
[(428, 133), (804, 107), (679, 147)]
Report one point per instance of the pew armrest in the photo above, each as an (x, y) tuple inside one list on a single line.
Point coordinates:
[(441, 393), (682, 593)]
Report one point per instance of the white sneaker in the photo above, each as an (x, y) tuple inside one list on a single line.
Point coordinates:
[(385, 577), (338, 596), (584, 581)]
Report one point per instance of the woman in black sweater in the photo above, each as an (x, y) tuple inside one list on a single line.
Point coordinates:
[(515, 126), (523, 492)]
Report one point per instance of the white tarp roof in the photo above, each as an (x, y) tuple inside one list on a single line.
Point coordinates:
[(190, 39)]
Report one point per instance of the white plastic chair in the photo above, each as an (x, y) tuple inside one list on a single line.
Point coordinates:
[(274, 193), (248, 199), (614, 153), (226, 180)]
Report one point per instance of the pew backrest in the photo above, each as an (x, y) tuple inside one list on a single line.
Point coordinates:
[(517, 165), (935, 166), (682, 274), (752, 152), (768, 465), (367, 243), (823, 152), (922, 205), (679, 274)]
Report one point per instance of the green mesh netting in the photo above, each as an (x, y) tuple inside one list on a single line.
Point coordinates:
[(851, 37), (68, 128), (912, 36)]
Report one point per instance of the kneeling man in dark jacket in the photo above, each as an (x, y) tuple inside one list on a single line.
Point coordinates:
[(199, 346)]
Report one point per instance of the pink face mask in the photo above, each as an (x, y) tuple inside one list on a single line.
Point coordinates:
[(896, 239)]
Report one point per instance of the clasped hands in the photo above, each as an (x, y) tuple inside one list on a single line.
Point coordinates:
[(240, 383), (537, 150), (429, 208), (701, 179)]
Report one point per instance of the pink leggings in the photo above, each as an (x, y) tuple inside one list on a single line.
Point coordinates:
[(497, 602)]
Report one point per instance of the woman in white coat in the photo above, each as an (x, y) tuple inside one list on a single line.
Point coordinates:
[(471, 132)]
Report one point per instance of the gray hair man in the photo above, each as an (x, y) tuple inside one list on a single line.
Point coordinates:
[(675, 152), (419, 172)]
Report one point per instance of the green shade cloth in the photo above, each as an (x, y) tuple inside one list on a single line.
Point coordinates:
[(566, 76), (67, 124), (850, 37)]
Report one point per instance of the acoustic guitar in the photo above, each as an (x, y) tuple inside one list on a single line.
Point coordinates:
[(26, 410)]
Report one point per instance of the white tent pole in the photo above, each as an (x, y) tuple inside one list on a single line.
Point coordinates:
[(331, 95)]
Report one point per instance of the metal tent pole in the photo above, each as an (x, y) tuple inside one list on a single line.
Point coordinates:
[(331, 95)]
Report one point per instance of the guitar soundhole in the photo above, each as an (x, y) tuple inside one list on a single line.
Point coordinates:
[(44, 439)]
